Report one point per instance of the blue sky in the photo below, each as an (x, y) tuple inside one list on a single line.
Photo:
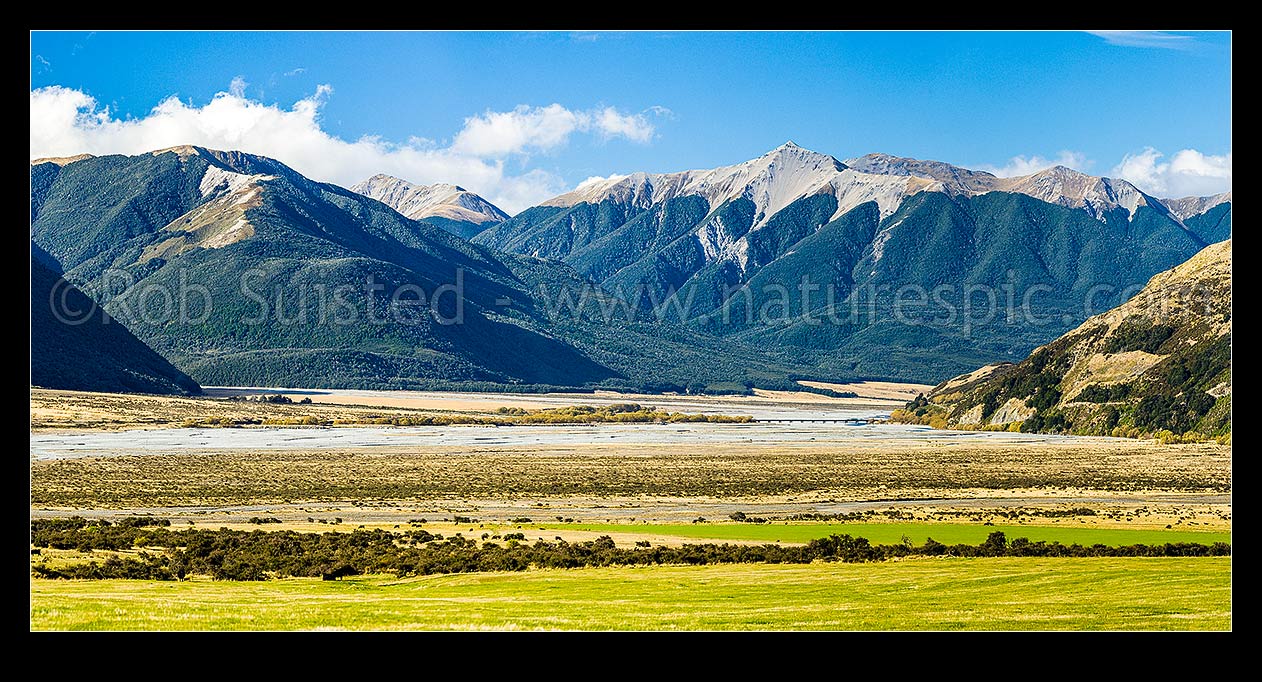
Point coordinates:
[(477, 107)]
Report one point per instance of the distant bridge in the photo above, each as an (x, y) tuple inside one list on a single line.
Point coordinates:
[(854, 421)]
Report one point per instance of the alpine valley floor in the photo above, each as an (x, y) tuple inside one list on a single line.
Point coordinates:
[(773, 483)]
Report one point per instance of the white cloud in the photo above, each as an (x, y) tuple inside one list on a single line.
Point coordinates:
[(598, 178), (295, 72), (498, 133), (525, 129), (609, 122), (66, 121), (1025, 165), (1160, 39), (658, 110), (1187, 173)]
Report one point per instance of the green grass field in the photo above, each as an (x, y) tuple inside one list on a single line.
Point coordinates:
[(889, 533), (937, 594)]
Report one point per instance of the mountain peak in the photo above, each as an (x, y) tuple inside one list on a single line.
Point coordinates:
[(1057, 184), (791, 150), (436, 187), (232, 161), (875, 157), (954, 179), (1062, 171), (1075, 189), (1187, 207), (182, 150), (440, 200), (1062, 174)]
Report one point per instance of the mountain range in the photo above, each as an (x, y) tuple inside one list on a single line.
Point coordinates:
[(241, 271), (731, 241), (219, 222), (682, 280)]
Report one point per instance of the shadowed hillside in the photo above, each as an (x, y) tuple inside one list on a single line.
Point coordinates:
[(76, 345)]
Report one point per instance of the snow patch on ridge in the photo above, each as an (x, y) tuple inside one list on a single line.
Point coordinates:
[(219, 181), (853, 188), (717, 243), (878, 242)]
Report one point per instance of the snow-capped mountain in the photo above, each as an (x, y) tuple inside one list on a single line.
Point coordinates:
[(452, 207), (1057, 185), (726, 239), (756, 253), (1068, 187), (1189, 207), (789, 173), (772, 181), (953, 178)]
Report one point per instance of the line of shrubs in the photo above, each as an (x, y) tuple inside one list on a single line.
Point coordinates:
[(278, 399), (257, 555)]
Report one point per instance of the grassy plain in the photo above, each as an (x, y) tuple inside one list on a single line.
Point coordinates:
[(808, 473), (891, 533), (933, 594)]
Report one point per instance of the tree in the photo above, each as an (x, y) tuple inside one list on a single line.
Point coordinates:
[(996, 544)]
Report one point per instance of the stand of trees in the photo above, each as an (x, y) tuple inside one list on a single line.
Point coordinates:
[(257, 555)]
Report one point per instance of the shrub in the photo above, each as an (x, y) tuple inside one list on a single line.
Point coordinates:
[(1138, 334), (1096, 393), (255, 555)]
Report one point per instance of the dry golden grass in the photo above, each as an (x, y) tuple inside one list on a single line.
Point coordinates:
[(900, 392), (871, 394), (408, 401), (87, 411), (80, 410), (712, 471)]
